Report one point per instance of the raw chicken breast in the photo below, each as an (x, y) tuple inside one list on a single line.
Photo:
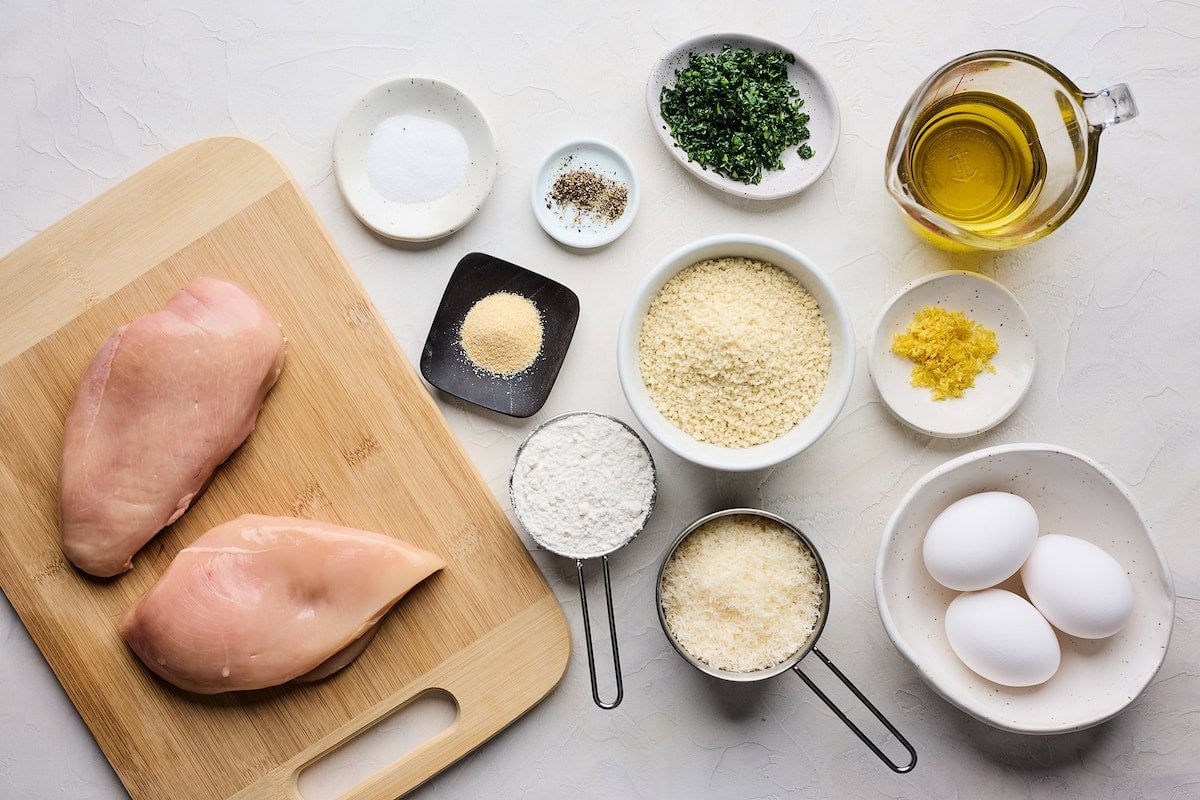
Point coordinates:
[(168, 398), (260, 601)]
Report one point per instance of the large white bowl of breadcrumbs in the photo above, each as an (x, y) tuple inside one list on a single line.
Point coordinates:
[(736, 352)]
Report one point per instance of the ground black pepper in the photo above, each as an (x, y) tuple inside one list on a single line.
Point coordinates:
[(588, 194)]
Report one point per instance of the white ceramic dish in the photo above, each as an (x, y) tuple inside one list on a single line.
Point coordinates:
[(994, 396), (567, 227), (841, 369), (1073, 495), (423, 97), (825, 120)]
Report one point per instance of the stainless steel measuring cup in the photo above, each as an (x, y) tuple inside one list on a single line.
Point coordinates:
[(581, 555), (792, 662)]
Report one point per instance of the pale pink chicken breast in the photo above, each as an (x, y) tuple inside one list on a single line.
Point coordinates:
[(261, 601), (166, 399)]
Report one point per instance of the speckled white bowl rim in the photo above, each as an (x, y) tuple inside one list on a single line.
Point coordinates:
[(959, 696), (841, 368), (553, 225), (820, 103), (985, 405), (422, 222)]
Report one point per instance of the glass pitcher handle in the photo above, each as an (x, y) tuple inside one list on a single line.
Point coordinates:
[(1109, 106)]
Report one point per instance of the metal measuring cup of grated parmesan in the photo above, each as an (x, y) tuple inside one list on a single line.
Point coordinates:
[(583, 485), (819, 577)]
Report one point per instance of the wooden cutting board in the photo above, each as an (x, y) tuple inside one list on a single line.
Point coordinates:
[(349, 435)]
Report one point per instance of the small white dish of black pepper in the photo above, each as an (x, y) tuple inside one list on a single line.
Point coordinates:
[(585, 193)]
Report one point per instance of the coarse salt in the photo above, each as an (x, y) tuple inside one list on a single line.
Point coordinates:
[(413, 159)]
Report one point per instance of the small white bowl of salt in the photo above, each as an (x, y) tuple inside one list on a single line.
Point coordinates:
[(414, 159)]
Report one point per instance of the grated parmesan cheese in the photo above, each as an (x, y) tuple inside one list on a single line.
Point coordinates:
[(741, 593), (734, 352)]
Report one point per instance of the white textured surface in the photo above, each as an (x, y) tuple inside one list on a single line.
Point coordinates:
[(90, 92)]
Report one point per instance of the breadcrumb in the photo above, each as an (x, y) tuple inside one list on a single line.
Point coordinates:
[(734, 352)]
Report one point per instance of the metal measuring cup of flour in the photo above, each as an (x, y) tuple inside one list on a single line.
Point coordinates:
[(793, 661), (602, 551)]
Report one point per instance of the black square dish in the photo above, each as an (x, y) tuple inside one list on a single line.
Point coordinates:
[(446, 366)]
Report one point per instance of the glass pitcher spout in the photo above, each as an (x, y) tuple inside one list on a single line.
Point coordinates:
[(1109, 106)]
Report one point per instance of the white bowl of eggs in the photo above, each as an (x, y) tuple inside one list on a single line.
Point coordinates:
[(1025, 587)]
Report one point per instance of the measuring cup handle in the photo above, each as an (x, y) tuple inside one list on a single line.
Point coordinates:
[(1109, 106), (842, 716), (612, 633)]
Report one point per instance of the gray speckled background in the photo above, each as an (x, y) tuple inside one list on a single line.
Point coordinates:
[(90, 92)]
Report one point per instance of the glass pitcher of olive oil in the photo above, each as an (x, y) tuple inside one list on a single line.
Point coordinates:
[(997, 149)]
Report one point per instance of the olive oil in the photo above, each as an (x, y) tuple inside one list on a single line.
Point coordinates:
[(974, 158)]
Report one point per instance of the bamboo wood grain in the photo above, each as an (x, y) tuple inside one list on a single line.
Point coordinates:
[(348, 435)]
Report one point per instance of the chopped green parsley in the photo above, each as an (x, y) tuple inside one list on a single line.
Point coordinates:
[(736, 112)]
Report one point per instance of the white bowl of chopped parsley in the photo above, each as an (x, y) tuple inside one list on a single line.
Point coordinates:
[(744, 114)]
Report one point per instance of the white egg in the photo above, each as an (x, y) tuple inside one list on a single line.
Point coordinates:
[(1078, 587), (1002, 637), (980, 540)]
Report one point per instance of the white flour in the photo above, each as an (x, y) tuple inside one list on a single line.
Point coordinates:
[(583, 485), (415, 159)]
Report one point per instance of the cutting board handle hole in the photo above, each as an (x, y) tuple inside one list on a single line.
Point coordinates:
[(378, 747)]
